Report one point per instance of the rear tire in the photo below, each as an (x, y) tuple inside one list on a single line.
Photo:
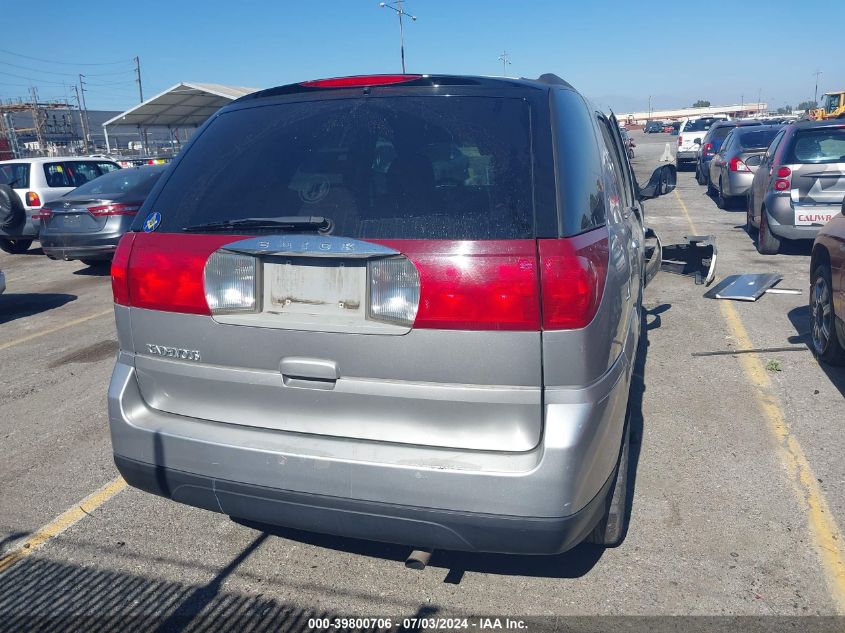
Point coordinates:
[(749, 215), (711, 190), (825, 339), (767, 244), (14, 246), (699, 176), (610, 530), (722, 201)]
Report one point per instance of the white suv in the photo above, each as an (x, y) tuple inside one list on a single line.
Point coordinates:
[(27, 184), (693, 130)]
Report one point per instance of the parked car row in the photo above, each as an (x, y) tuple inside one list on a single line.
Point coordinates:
[(79, 208), (790, 178)]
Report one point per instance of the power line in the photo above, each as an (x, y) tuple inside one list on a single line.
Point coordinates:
[(30, 79), (52, 61), (53, 72)]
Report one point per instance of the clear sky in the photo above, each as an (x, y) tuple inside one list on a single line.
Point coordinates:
[(615, 52)]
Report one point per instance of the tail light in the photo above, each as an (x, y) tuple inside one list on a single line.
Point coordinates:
[(114, 209), (680, 141), (552, 284), (164, 271), (44, 213), (572, 277), (708, 149), (783, 180), (735, 164), (394, 288), (32, 199), (472, 285), (231, 283)]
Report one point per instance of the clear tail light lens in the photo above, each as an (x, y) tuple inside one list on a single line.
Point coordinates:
[(394, 291), (231, 283)]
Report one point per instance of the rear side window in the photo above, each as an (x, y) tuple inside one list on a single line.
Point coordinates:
[(75, 173), (16, 175), (822, 145), (755, 140), (579, 165), (378, 167)]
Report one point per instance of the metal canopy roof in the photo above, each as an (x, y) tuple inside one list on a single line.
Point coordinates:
[(183, 105)]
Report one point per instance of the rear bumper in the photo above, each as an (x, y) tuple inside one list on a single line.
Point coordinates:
[(687, 154), (542, 501), (355, 518), (79, 245), (792, 232), (737, 183)]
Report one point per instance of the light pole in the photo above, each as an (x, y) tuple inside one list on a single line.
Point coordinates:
[(505, 61), (816, 97), (400, 12)]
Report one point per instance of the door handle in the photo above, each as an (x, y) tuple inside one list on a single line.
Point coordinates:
[(309, 373)]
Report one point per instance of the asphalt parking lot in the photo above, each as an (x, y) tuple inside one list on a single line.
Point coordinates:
[(738, 493)]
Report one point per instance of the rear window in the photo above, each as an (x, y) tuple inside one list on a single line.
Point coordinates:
[(721, 132), (16, 175), (823, 145), (699, 125), (755, 140), (75, 173), (137, 181), (391, 167)]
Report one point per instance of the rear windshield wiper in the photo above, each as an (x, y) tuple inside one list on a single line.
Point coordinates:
[(323, 225)]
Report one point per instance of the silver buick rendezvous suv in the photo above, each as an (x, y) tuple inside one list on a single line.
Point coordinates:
[(397, 307)]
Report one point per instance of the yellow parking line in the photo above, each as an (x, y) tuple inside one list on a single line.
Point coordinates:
[(825, 533), (58, 328), (63, 522)]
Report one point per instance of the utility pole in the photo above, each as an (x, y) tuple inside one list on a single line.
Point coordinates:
[(504, 58), (649, 107), (816, 94), (137, 61), (86, 124), (400, 12), (81, 120), (38, 122), (759, 96)]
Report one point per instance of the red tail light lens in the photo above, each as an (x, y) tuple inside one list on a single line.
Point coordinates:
[(475, 285), (708, 149), (120, 269), (360, 81), (784, 179), (735, 164), (165, 271), (114, 209), (680, 141), (43, 213), (572, 277), (32, 199)]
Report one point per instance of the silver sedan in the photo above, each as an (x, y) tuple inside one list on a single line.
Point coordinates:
[(730, 173)]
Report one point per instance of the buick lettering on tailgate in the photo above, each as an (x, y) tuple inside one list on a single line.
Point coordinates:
[(173, 352)]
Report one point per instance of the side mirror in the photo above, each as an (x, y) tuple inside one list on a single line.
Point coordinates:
[(662, 181), (754, 161), (697, 141)]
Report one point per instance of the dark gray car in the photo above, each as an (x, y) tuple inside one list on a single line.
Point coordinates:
[(800, 184), (323, 328), (88, 222)]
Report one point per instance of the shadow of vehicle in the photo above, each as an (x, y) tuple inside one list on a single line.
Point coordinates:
[(100, 269), (800, 319), (16, 306)]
